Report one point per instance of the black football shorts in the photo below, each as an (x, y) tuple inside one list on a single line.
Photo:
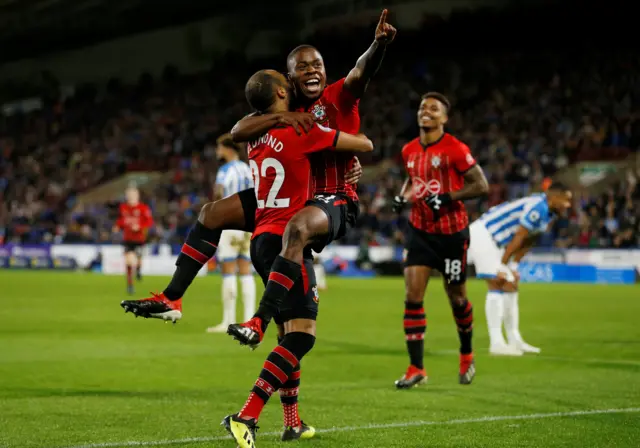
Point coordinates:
[(342, 213), (446, 253)]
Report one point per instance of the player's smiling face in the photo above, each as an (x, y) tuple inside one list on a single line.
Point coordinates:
[(306, 70), (431, 114)]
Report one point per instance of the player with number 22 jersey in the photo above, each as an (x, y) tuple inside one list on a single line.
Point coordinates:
[(282, 173), (282, 183)]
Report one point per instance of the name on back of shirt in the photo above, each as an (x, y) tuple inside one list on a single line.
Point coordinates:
[(268, 140)]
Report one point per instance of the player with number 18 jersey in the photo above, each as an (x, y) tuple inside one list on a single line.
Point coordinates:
[(442, 173)]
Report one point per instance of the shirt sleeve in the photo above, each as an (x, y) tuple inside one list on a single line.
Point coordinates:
[(533, 217), (464, 160), (341, 96), (319, 138)]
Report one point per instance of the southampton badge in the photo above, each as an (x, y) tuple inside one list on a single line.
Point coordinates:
[(435, 162), (319, 112), (316, 296)]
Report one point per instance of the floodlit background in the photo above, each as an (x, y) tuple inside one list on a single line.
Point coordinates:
[(98, 94)]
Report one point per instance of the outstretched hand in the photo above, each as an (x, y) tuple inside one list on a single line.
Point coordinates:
[(385, 33)]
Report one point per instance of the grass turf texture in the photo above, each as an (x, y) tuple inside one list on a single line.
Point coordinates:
[(76, 371)]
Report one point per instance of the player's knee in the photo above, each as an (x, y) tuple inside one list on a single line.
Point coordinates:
[(414, 295), (207, 214), (131, 259), (456, 298), (298, 343)]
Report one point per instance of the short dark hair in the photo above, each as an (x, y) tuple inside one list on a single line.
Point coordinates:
[(440, 97), (261, 90), (226, 141), (558, 187), (298, 49)]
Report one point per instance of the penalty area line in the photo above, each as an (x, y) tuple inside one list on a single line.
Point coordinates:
[(485, 419)]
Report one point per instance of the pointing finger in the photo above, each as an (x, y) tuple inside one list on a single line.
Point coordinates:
[(383, 17)]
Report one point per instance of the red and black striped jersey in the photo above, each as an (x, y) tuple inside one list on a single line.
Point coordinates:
[(435, 169), (337, 108)]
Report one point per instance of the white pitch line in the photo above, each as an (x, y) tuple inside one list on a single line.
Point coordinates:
[(488, 418), (622, 362)]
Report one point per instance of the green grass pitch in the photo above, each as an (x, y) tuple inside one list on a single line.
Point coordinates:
[(75, 371)]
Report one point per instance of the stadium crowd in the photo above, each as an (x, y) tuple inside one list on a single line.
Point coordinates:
[(524, 115)]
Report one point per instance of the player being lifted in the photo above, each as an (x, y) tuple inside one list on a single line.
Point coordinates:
[(283, 185), (335, 205), (335, 106), (233, 176), (442, 173), (499, 239), (135, 220)]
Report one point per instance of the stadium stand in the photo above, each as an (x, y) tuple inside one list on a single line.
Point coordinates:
[(526, 116)]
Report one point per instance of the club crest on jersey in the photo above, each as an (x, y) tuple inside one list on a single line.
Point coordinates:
[(316, 296), (422, 189), (435, 162), (319, 112)]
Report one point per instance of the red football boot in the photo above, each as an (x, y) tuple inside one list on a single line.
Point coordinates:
[(157, 306), (414, 377), (467, 368), (248, 333)]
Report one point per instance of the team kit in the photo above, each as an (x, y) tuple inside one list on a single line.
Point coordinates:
[(298, 193)]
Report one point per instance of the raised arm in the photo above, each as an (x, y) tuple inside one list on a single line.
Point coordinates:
[(368, 64), (253, 126)]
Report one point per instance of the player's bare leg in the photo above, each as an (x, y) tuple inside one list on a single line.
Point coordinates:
[(278, 371), (198, 249), (494, 310), (416, 279), (512, 319), (301, 230), (130, 261), (463, 315)]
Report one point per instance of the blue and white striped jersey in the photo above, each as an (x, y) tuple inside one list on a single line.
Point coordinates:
[(531, 212), (234, 176)]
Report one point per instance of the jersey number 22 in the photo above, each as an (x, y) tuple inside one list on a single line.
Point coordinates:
[(258, 172)]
